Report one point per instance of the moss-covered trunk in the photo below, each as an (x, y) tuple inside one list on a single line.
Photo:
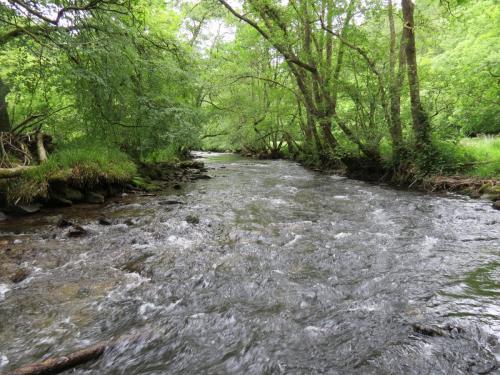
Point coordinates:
[(5, 125)]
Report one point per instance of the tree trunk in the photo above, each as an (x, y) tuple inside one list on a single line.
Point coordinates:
[(396, 82), (42, 154), (419, 116), (5, 125)]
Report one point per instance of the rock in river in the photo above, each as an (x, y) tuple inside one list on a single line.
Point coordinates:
[(20, 275), (94, 198), (77, 231), (192, 219)]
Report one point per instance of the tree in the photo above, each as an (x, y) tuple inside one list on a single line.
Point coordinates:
[(4, 114), (420, 118)]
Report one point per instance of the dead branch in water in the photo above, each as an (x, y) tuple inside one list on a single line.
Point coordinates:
[(56, 365)]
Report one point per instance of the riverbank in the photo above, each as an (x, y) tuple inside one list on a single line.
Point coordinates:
[(363, 169), (90, 175)]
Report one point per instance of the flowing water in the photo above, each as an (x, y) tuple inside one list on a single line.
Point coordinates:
[(287, 272)]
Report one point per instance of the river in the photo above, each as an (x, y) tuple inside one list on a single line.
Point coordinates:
[(287, 272)]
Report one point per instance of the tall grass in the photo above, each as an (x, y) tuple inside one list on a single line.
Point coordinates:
[(82, 165), (485, 156)]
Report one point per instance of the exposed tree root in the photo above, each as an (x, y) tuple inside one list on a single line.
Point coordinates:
[(456, 184)]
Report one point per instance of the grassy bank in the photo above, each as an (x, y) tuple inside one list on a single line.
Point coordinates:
[(82, 166), (485, 156)]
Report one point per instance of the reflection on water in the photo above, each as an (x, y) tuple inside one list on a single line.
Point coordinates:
[(287, 272)]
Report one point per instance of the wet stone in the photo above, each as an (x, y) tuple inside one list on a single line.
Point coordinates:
[(64, 223), (77, 231), (136, 265), (192, 219), (94, 198), (104, 221), (19, 275)]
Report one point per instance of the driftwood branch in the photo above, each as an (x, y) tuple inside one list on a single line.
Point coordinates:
[(56, 365)]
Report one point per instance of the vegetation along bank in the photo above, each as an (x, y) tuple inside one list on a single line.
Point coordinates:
[(96, 94)]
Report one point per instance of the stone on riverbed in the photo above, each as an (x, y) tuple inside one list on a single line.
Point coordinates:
[(20, 275), (73, 195), (77, 231), (63, 223), (192, 219), (136, 265), (104, 221), (28, 208), (57, 201), (94, 198), (170, 202)]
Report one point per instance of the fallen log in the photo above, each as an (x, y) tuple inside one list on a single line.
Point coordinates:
[(14, 172), (56, 365)]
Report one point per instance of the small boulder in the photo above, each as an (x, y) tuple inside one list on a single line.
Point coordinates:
[(192, 219), (20, 275), (104, 221), (170, 202), (28, 208), (73, 195), (193, 164), (200, 177), (77, 231), (94, 198), (136, 265), (3, 217), (63, 223), (59, 201), (496, 205)]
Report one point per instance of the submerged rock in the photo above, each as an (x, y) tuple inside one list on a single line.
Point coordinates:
[(200, 177), (94, 198), (191, 164), (59, 201), (20, 275), (136, 265), (77, 231), (192, 219), (73, 195), (434, 330), (170, 202), (63, 223), (28, 208), (103, 221)]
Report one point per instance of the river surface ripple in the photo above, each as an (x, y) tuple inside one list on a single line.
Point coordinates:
[(287, 272)]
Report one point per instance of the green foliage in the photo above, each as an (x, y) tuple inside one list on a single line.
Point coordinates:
[(148, 79), (485, 152), (461, 63)]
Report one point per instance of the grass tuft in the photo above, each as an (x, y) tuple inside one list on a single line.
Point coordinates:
[(79, 165)]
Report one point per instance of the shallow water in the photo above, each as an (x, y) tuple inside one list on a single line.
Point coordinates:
[(288, 272)]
